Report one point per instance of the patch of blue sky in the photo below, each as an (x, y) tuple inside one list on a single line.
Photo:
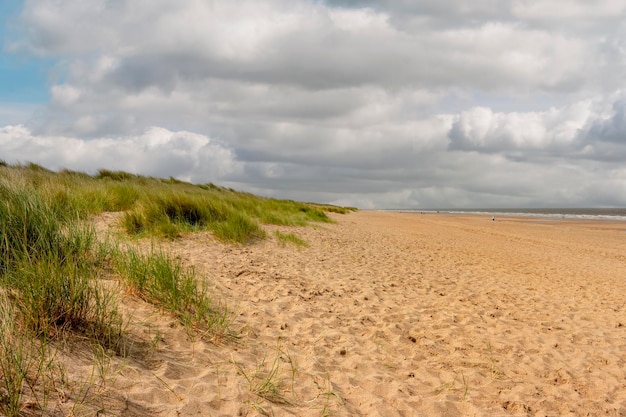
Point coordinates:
[(23, 77)]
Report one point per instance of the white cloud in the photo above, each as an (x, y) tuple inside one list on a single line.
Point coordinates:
[(590, 129), (157, 152), (483, 130)]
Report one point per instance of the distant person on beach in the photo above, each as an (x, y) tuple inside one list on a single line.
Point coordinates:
[(493, 219)]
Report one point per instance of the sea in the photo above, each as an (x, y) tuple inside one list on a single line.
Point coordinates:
[(615, 214)]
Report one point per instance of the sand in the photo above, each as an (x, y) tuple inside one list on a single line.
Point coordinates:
[(393, 314)]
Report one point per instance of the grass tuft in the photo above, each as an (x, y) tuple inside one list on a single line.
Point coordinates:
[(161, 280), (14, 360), (114, 175), (238, 228), (29, 229), (290, 238), (51, 265), (267, 382), (23, 362)]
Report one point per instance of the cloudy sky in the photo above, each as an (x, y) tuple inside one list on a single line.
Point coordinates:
[(372, 103)]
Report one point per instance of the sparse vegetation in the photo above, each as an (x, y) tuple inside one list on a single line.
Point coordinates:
[(334, 209), (52, 265), (161, 280), (267, 381), (290, 238)]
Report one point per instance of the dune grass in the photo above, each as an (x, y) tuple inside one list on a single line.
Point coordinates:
[(47, 289), (15, 359), (268, 382), (230, 215), (163, 207), (165, 282), (290, 238), (51, 263)]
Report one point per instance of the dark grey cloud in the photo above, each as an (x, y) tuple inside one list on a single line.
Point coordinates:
[(611, 129)]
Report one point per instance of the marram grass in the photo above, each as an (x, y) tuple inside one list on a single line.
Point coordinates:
[(165, 282), (51, 262), (162, 207), (231, 216), (15, 359), (290, 238)]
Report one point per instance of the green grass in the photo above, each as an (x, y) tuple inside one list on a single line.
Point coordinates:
[(290, 238), (48, 265), (231, 216), (114, 175), (26, 363), (238, 228), (56, 298), (52, 265), (15, 359), (329, 208), (165, 282), (29, 229), (163, 207), (267, 381), (181, 210)]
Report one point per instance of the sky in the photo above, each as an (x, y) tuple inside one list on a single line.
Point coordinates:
[(371, 103)]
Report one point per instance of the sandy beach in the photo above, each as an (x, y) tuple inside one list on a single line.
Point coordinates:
[(395, 314)]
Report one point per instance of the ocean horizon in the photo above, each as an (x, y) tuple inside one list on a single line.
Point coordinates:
[(616, 214)]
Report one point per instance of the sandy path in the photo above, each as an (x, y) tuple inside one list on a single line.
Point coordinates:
[(407, 315)]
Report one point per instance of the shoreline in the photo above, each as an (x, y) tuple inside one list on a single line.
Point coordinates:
[(618, 215)]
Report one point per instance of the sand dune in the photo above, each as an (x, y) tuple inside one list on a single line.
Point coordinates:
[(391, 314)]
